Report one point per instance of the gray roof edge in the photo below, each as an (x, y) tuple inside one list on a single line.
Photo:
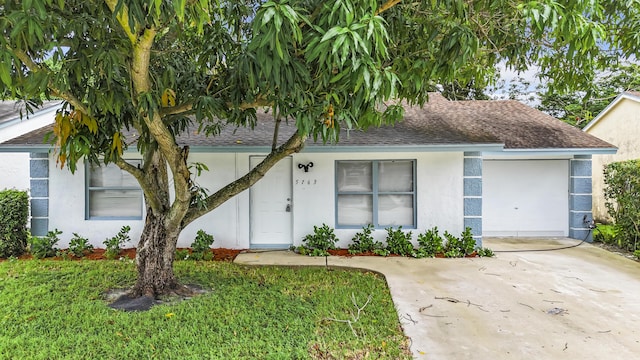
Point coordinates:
[(25, 148), (556, 151), (355, 148)]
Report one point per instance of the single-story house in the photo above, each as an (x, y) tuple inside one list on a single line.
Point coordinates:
[(618, 124), (498, 167)]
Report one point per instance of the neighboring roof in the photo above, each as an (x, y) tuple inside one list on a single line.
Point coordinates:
[(628, 95), (13, 110), (488, 125)]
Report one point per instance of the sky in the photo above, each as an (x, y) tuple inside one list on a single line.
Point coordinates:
[(509, 76)]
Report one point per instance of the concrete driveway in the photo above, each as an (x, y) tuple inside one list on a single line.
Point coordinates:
[(578, 303)]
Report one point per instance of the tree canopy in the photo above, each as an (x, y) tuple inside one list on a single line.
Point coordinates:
[(163, 66)]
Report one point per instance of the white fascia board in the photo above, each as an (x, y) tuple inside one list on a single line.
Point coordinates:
[(615, 101), (554, 152)]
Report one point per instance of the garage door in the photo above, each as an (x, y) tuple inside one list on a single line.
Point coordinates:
[(525, 198)]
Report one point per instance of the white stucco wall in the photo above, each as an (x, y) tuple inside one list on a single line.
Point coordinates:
[(620, 126), (14, 171), (439, 192), (439, 199)]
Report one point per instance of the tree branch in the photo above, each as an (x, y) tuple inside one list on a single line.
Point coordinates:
[(274, 143), (123, 19), (178, 109), (35, 67), (386, 6), (293, 145)]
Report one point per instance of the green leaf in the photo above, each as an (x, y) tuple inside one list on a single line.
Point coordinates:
[(5, 75)]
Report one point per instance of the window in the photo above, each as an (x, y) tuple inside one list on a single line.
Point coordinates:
[(379, 192), (112, 193)]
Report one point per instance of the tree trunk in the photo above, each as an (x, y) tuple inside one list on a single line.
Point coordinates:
[(154, 258)]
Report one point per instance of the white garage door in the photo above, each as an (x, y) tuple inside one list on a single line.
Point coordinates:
[(525, 198)]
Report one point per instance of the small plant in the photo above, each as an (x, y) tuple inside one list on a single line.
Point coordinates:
[(453, 247), (399, 242), (363, 241), (201, 246), (467, 242), (79, 246), (182, 254), (431, 243), (485, 252), (605, 234), (319, 242), (114, 244), (64, 254), (636, 253), (44, 246)]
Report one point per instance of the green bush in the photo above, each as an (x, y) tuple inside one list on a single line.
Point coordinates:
[(605, 234), (453, 246), (485, 252), (399, 242), (114, 244), (44, 246), (467, 241), (182, 254), (317, 244), (79, 246), (622, 195), (363, 241), (201, 246), (14, 212), (430, 243)]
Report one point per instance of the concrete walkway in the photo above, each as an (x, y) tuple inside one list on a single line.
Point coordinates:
[(578, 303)]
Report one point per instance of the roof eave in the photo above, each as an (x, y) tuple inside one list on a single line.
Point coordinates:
[(25, 148), (556, 151), (355, 148)]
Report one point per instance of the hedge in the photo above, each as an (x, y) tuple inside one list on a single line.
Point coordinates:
[(14, 212), (622, 195)]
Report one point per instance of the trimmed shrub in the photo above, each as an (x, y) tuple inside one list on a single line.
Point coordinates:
[(399, 242), (44, 246), (201, 246), (114, 244), (14, 212), (318, 243), (363, 241), (431, 243)]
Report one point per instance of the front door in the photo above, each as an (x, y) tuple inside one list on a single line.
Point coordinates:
[(270, 201)]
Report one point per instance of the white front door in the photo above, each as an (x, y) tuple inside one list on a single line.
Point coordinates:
[(271, 212)]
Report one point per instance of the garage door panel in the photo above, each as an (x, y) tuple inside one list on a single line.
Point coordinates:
[(525, 198)]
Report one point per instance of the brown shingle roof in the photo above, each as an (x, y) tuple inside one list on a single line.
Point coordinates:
[(439, 122)]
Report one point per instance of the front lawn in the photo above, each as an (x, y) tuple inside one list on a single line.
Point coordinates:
[(56, 309)]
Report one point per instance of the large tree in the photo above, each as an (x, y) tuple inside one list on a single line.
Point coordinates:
[(162, 66), (578, 108)]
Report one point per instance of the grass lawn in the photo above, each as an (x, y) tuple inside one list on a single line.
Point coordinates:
[(55, 310)]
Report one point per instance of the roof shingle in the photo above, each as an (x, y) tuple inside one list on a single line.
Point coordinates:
[(439, 122)]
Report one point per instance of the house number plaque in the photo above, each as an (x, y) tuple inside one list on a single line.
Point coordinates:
[(306, 181)]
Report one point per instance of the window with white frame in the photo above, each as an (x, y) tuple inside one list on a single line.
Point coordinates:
[(377, 192), (112, 193)]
